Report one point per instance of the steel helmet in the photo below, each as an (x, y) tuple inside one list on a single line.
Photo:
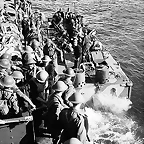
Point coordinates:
[(98, 44), (46, 58), (4, 63), (6, 56), (77, 97), (29, 58), (28, 49), (17, 75), (72, 141), (60, 86), (42, 76), (7, 81), (69, 72)]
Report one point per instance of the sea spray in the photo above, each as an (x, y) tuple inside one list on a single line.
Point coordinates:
[(107, 128), (108, 122), (110, 103)]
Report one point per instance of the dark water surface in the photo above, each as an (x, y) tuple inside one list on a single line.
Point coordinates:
[(120, 27)]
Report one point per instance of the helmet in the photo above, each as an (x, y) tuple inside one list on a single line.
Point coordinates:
[(4, 63), (17, 75), (7, 81), (46, 58), (77, 97), (69, 72), (5, 56), (28, 49), (29, 58), (42, 76), (98, 44), (60, 86), (73, 141)]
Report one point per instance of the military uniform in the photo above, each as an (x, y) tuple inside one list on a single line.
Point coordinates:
[(38, 97), (73, 120), (8, 94), (69, 73), (68, 92), (75, 124), (55, 105)]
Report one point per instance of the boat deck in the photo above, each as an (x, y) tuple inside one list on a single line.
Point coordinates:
[(117, 79)]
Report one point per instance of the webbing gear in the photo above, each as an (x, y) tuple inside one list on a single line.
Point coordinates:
[(4, 107), (11, 98)]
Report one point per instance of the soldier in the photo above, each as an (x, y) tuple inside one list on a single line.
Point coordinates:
[(38, 95), (51, 50), (68, 74), (25, 27), (73, 120), (6, 93), (55, 105), (14, 60), (88, 44), (30, 68), (29, 50), (9, 92), (19, 89)]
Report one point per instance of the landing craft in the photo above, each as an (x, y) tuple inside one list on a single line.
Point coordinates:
[(98, 78)]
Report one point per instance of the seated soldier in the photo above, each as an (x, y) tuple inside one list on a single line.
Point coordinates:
[(68, 74), (9, 92), (55, 105), (74, 121)]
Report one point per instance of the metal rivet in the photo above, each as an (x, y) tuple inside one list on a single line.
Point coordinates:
[(10, 130), (11, 137)]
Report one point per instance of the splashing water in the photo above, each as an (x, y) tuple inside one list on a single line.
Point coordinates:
[(106, 128), (107, 125), (116, 105)]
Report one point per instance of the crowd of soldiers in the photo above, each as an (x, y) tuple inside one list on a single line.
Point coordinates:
[(31, 80)]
